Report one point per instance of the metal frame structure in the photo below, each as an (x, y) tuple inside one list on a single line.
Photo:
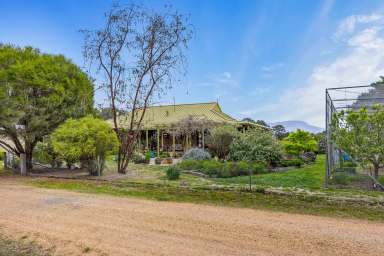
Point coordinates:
[(344, 98)]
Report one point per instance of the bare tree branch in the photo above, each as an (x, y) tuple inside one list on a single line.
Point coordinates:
[(138, 53)]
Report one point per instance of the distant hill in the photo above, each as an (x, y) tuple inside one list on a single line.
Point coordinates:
[(293, 125)]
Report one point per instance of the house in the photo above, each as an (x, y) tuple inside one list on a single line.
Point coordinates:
[(175, 128)]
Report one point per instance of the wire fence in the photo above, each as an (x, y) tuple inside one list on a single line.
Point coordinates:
[(341, 168)]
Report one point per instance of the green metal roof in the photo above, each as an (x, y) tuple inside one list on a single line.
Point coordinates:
[(167, 115)]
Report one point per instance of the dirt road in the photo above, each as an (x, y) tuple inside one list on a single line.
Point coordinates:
[(74, 223)]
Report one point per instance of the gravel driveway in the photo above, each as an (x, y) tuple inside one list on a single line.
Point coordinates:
[(74, 224)]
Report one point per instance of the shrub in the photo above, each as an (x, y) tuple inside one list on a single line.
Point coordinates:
[(234, 169), (299, 142), (349, 164), (147, 156), (229, 169), (381, 180), (292, 162), (308, 157), (258, 168), (87, 139), (1, 155), (211, 168), (220, 139), (256, 145), (164, 154), (45, 154), (196, 154), (173, 173), (190, 165), (138, 158), (243, 168)]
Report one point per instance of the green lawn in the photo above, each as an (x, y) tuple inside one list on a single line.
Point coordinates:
[(309, 176), (150, 183), (257, 199)]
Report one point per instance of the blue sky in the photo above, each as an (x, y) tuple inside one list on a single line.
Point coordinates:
[(266, 60)]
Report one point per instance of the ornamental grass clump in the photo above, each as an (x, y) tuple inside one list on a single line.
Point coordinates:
[(173, 173)]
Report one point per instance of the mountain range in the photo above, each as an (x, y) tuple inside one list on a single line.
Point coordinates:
[(293, 125)]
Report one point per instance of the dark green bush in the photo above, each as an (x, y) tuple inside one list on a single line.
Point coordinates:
[(1, 155), (243, 168), (229, 169), (211, 168), (258, 168), (214, 168), (349, 164), (234, 169), (190, 165), (173, 173), (147, 156), (381, 180), (292, 162)]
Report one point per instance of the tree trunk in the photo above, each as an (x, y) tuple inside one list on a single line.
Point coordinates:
[(120, 162), (376, 170), (28, 155), (23, 164), (28, 152)]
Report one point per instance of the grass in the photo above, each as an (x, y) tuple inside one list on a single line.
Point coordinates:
[(258, 199), (149, 182), (21, 247), (309, 176)]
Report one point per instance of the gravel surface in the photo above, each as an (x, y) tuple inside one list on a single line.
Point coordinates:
[(70, 223)]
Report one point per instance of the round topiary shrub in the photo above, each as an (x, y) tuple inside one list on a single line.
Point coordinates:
[(173, 173), (196, 154)]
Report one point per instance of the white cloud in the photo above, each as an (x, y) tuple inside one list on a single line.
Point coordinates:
[(349, 24), (361, 62)]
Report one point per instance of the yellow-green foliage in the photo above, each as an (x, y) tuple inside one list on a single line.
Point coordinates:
[(361, 134), (85, 138), (299, 142)]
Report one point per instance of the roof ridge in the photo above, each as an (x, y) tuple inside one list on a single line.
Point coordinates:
[(183, 104), (224, 115)]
